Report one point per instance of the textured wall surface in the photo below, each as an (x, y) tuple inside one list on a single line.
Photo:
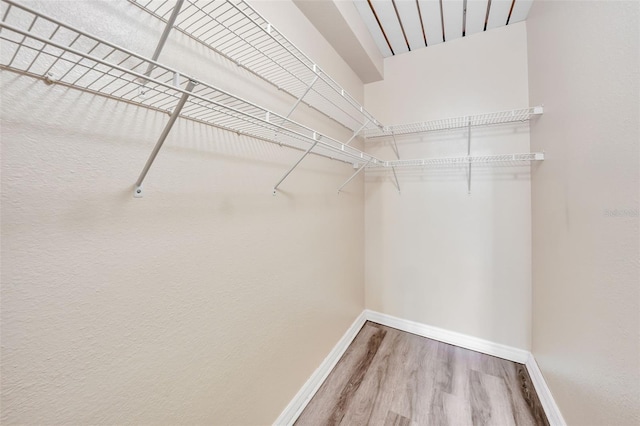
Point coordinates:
[(435, 254), (586, 291), (209, 301)]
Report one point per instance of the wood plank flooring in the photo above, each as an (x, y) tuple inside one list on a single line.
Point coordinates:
[(393, 378)]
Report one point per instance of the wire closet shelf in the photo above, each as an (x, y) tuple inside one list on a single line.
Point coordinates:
[(493, 118), (39, 46), (467, 159), (235, 30), (42, 47)]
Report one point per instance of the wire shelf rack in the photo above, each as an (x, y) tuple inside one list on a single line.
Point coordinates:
[(235, 30), (502, 117), (39, 46), (465, 160)]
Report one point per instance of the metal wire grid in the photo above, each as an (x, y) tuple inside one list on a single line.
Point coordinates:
[(39, 46), (501, 117), (239, 33), (468, 159)]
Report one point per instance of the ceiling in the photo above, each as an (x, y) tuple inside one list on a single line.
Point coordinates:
[(400, 26)]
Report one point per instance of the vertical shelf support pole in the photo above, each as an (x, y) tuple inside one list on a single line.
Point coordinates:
[(164, 36), (315, 137), (357, 131), (393, 169), (469, 155), (137, 193), (354, 175)]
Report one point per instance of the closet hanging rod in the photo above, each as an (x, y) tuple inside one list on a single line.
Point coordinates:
[(239, 33)]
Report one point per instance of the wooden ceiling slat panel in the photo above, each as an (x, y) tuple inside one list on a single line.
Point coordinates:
[(452, 10), (408, 11), (430, 10), (406, 15), (370, 21), (499, 13), (389, 20), (520, 11), (476, 12)]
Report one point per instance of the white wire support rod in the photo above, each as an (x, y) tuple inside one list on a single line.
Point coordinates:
[(500, 117), (468, 159), (355, 134), (395, 146), (165, 34), (301, 97), (357, 172), (239, 33), (395, 176), (288, 172), (96, 74), (163, 136)]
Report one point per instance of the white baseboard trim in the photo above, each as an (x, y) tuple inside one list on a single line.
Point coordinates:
[(544, 394), (510, 353), (309, 389), (453, 338)]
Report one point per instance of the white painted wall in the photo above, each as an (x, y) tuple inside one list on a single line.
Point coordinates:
[(209, 301), (435, 254), (341, 25), (586, 273)]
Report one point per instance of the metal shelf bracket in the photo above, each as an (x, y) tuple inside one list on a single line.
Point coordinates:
[(163, 38), (138, 191), (353, 176), (395, 145), (295, 105), (367, 121), (316, 139), (393, 169)]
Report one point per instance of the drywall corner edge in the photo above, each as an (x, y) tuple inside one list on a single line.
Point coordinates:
[(311, 386), (544, 394)]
